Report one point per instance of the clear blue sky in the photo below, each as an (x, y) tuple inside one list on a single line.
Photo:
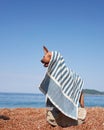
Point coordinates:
[(73, 27)]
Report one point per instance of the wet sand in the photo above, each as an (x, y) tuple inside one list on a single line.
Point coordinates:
[(34, 119)]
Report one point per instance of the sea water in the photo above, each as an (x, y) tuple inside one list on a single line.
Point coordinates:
[(14, 100), (25, 100)]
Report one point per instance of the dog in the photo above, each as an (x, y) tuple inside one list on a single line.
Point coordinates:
[(47, 57), (45, 61)]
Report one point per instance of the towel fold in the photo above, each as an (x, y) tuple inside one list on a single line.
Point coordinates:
[(62, 86)]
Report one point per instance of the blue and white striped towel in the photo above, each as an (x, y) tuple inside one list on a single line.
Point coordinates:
[(62, 86)]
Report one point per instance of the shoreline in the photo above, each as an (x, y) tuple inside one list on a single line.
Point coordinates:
[(35, 119)]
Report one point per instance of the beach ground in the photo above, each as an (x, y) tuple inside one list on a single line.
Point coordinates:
[(35, 119)]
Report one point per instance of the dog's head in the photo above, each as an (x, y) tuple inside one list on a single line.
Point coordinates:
[(47, 57)]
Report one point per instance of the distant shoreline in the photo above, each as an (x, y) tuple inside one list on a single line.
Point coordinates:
[(85, 91), (92, 92)]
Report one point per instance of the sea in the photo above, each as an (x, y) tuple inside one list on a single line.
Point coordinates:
[(26, 100)]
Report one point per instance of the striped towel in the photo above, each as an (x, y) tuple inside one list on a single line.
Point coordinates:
[(62, 86)]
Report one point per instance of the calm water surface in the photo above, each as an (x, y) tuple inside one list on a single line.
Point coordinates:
[(14, 100)]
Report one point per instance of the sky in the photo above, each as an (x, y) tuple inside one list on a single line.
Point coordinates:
[(75, 28)]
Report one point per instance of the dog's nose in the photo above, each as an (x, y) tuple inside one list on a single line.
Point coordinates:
[(42, 61)]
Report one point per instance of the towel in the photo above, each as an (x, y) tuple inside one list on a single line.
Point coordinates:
[(62, 86)]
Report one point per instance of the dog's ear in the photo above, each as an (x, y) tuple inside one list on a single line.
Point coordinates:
[(45, 49)]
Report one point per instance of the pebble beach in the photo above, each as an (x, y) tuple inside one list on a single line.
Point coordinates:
[(35, 119)]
